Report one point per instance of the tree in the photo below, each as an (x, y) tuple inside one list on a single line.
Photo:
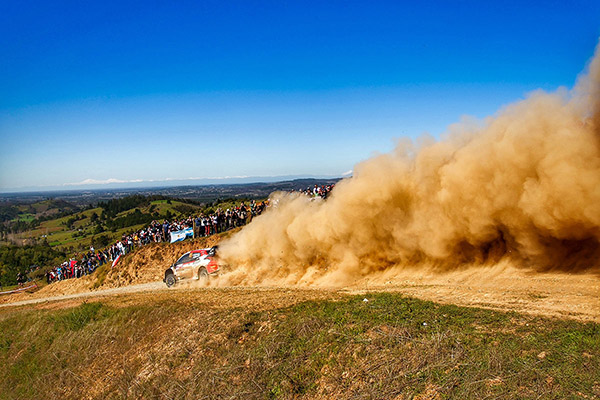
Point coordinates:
[(100, 241), (69, 223)]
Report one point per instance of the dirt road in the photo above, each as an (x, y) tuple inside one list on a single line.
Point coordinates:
[(575, 296), (503, 287), (144, 287)]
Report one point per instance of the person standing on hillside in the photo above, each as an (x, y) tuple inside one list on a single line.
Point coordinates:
[(206, 226), (213, 219), (19, 279), (197, 224), (165, 228)]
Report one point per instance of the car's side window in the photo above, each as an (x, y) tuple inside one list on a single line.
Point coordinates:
[(185, 258)]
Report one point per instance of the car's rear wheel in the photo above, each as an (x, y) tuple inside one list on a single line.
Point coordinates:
[(202, 274), (170, 280)]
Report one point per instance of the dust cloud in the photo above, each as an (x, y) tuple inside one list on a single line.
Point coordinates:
[(521, 187)]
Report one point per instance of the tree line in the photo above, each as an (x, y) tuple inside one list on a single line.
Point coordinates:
[(24, 259)]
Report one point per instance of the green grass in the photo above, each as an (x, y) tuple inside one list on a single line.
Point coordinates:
[(161, 206), (55, 223), (27, 217), (387, 347), (60, 235), (65, 238), (77, 318)]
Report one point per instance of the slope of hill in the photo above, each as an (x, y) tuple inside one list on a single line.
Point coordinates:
[(281, 343), (291, 342)]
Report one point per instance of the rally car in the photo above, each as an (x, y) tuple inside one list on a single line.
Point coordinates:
[(196, 264)]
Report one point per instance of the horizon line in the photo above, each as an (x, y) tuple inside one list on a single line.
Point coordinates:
[(115, 184)]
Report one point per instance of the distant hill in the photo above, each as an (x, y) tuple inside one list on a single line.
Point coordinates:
[(201, 193), (114, 184), (32, 208)]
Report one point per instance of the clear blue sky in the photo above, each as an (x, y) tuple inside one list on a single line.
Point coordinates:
[(155, 90)]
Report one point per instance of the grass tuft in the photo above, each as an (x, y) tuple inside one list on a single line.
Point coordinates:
[(78, 317)]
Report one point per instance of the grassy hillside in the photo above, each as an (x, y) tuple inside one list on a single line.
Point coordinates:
[(77, 231), (147, 264), (15, 211), (277, 344)]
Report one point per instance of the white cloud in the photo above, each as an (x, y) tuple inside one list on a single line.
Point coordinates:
[(102, 182), (114, 180)]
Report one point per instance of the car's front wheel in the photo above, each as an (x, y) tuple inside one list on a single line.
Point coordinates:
[(170, 280)]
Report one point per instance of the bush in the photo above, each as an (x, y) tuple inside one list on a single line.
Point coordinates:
[(100, 241), (135, 218)]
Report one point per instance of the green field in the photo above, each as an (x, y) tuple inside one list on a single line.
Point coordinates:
[(27, 217), (80, 236)]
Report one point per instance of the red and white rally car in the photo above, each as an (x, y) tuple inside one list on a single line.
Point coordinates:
[(195, 264)]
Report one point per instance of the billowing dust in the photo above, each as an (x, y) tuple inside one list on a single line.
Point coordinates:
[(519, 189)]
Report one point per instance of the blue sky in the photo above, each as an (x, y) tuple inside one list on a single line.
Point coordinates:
[(91, 91)]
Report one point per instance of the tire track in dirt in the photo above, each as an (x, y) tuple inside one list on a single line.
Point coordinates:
[(143, 287), (560, 295)]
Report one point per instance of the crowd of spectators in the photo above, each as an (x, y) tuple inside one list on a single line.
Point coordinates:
[(203, 225), (317, 191), (223, 220)]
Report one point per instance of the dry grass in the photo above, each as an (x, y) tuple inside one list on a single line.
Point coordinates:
[(278, 344)]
